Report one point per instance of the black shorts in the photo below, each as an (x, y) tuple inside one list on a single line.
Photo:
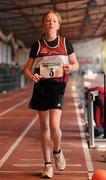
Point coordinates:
[(47, 94)]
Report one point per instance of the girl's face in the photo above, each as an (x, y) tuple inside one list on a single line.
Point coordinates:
[(51, 23)]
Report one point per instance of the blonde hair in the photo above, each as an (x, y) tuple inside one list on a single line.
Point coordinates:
[(53, 12)]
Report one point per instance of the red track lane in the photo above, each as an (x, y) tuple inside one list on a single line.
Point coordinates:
[(20, 150)]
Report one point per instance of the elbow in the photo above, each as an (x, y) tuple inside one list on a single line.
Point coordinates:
[(76, 67)]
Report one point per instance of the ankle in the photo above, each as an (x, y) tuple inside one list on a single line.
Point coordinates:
[(56, 152), (46, 163)]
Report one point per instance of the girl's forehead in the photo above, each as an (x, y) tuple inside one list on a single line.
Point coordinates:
[(51, 15)]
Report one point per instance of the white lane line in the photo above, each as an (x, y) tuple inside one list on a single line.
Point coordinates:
[(27, 165), (6, 132), (16, 143), (87, 155), (69, 103), (3, 137), (74, 165), (102, 150), (40, 164), (66, 143), (101, 146), (12, 96), (39, 149), (13, 107), (66, 150), (31, 159), (35, 171), (12, 117), (34, 159), (33, 150), (68, 111)]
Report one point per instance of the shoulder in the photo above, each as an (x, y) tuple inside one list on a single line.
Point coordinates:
[(68, 41), (34, 49), (69, 45), (35, 44)]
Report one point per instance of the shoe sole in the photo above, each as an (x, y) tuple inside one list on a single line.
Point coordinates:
[(61, 169), (44, 177)]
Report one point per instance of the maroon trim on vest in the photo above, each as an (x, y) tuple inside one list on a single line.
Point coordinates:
[(46, 50)]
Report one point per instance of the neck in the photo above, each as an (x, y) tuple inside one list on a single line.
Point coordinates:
[(49, 37)]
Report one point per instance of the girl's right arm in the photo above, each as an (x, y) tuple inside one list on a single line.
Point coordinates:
[(27, 70)]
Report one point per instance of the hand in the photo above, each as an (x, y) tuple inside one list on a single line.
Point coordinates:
[(35, 77), (67, 68)]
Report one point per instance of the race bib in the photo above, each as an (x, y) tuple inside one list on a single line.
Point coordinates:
[(51, 70)]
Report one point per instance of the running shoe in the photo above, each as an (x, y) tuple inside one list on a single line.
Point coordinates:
[(60, 161), (47, 171)]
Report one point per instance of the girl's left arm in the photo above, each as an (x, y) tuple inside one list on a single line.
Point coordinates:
[(73, 66)]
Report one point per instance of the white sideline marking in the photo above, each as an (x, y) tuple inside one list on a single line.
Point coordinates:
[(18, 140), (84, 143), (13, 107)]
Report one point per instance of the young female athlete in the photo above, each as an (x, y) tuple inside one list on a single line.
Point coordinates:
[(54, 59)]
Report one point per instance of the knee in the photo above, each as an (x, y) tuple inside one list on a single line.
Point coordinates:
[(56, 130), (45, 131)]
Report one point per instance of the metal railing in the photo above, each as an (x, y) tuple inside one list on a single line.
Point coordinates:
[(8, 83), (90, 113)]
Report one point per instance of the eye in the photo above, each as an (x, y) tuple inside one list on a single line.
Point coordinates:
[(47, 20), (54, 21)]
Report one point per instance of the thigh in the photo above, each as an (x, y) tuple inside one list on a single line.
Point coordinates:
[(55, 116), (44, 119)]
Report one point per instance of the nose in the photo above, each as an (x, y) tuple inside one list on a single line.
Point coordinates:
[(51, 21)]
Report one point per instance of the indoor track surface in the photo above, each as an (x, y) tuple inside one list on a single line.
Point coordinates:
[(20, 149)]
